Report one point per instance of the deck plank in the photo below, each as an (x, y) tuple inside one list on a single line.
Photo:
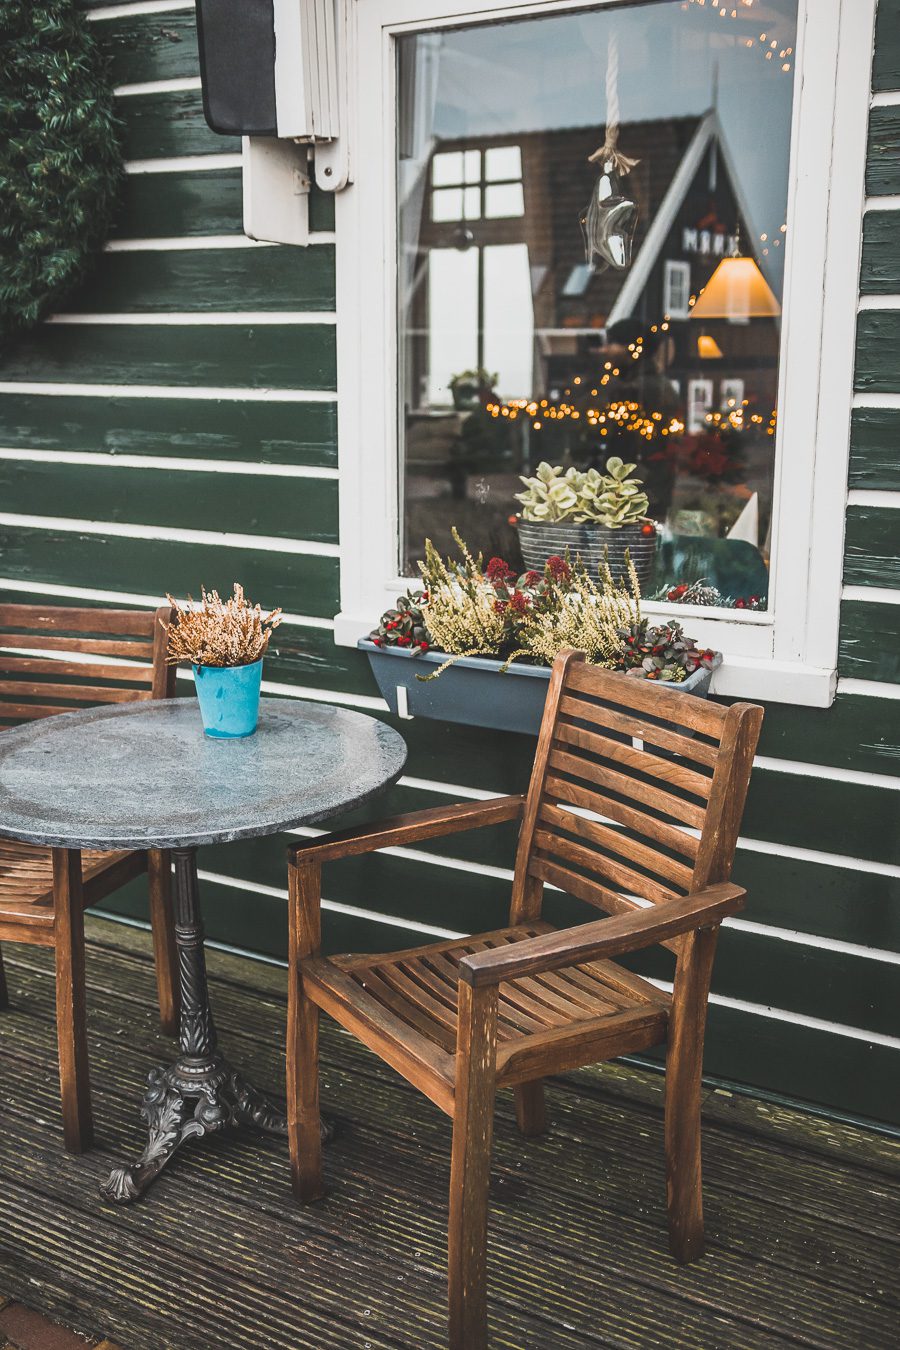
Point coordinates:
[(802, 1213)]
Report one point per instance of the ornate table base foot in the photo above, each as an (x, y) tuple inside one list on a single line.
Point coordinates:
[(178, 1106)]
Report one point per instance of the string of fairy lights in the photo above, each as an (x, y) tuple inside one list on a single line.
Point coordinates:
[(770, 46), (628, 415)]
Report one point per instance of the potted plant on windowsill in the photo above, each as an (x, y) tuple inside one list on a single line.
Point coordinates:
[(225, 641), (596, 516), (476, 644), (472, 387)]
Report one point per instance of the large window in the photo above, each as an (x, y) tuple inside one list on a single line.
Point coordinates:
[(661, 343), (713, 349)]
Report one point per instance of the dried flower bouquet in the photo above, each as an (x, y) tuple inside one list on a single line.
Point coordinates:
[(219, 632)]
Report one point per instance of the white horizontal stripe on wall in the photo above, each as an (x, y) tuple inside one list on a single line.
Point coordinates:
[(208, 318), (869, 302), (867, 497), (62, 388), (856, 776), (159, 87), (869, 688), (108, 460), (873, 400), (177, 243), (128, 598), (887, 98), (889, 202), (136, 7), (263, 543), (184, 163), (881, 595)]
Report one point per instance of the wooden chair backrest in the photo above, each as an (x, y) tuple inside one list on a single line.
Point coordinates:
[(55, 659), (637, 792)]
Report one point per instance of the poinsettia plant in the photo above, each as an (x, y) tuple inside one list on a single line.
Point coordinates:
[(662, 652)]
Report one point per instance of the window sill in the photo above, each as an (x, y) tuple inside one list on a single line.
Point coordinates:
[(740, 676)]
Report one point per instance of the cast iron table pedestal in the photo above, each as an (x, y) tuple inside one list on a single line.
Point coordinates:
[(143, 775), (200, 1092)]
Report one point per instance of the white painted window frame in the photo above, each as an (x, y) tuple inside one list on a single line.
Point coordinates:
[(788, 654)]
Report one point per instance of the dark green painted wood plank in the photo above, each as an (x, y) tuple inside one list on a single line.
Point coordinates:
[(856, 732), (287, 508), (310, 658), (886, 62), (880, 271), (160, 125), (854, 1076), (169, 205), (267, 433), (872, 546), (303, 584), (838, 987), (209, 279), (854, 819), (869, 649), (144, 47), (268, 356), (198, 201), (875, 449), (846, 904), (878, 351), (883, 156)]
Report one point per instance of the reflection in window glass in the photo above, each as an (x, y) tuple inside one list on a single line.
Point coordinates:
[(514, 349)]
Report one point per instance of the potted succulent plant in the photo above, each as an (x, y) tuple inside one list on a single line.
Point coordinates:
[(594, 515), (225, 641)]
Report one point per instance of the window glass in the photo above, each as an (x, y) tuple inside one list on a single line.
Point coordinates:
[(658, 343)]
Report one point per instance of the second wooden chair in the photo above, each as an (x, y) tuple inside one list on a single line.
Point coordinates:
[(53, 660), (634, 806)]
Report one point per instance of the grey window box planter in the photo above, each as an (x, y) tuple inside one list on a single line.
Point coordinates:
[(473, 692)]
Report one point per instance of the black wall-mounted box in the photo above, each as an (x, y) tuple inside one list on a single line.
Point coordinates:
[(237, 66)]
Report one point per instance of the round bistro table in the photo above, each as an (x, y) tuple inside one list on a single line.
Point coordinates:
[(143, 775)]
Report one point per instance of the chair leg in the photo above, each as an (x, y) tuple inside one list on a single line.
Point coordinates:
[(531, 1109), (71, 1028), (684, 1070), (162, 922), (304, 1128), (4, 992), (473, 1123)]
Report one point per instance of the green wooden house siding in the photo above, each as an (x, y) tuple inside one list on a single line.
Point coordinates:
[(140, 456)]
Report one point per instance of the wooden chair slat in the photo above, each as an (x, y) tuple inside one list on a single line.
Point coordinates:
[(693, 748), (601, 864), (76, 693), (563, 1048), (140, 674), (69, 619), (667, 771), (659, 799), (626, 846), (27, 712), (646, 697), (395, 1001), (137, 650), (651, 827), (573, 883), (513, 1012)]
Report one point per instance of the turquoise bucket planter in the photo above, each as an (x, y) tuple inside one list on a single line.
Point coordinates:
[(229, 699)]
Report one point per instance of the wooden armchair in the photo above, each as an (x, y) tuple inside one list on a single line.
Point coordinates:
[(634, 806), (53, 660)]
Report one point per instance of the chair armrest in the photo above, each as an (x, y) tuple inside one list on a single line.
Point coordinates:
[(407, 829), (604, 938)]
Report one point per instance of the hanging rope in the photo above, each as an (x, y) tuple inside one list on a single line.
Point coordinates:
[(608, 152)]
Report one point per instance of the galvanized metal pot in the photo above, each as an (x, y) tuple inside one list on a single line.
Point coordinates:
[(540, 540)]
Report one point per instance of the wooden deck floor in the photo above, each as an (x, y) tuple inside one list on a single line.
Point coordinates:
[(803, 1216)]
